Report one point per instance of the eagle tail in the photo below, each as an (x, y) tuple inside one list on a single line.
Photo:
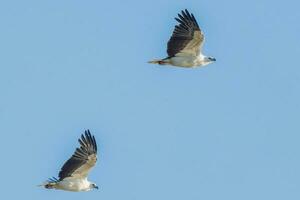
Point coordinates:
[(50, 183), (158, 61)]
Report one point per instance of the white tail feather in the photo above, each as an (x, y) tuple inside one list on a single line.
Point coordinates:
[(155, 61)]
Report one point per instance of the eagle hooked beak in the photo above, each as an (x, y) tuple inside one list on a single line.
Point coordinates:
[(212, 59)]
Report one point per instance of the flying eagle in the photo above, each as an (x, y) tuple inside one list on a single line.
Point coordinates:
[(73, 174), (185, 44)]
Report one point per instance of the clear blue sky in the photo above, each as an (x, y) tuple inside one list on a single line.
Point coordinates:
[(228, 131)]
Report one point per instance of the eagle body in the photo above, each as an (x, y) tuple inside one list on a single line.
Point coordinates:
[(74, 185), (187, 61)]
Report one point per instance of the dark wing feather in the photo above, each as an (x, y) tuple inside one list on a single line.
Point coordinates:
[(83, 159), (186, 34)]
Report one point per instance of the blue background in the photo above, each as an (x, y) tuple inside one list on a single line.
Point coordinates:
[(227, 131)]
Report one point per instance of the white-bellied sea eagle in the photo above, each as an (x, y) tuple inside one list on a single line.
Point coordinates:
[(185, 45), (73, 174)]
